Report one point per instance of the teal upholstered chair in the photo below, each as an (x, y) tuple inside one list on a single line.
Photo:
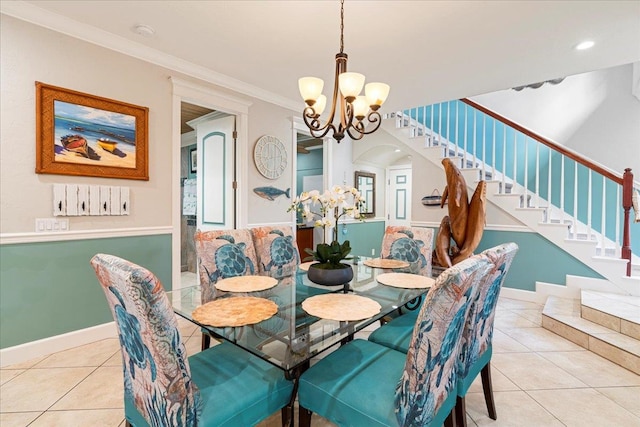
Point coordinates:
[(366, 384), (222, 254), (396, 333), (221, 386), (477, 347)]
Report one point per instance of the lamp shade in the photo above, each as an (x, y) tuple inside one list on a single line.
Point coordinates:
[(360, 107), (350, 85), (376, 93), (310, 88), (321, 102)]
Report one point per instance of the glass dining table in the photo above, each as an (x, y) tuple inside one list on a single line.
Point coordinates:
[(291, 337)]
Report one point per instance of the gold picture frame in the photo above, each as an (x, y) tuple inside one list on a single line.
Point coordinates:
[(87, 135)]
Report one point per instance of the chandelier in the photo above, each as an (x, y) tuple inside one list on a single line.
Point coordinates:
[(354, 108)]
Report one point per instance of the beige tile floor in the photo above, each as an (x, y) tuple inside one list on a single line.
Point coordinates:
[(539, 379)]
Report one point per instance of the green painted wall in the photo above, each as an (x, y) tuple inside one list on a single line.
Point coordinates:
[(49, 288), (363, 236), (538, 260)]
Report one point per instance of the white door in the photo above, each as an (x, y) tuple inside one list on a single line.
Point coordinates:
[(216, 206), (399, 200)]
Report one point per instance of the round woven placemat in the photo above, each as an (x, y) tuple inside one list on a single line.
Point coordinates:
[(235, 311), (305, 265), (385, 263), (405, 280), (343, 307), (246, 283)]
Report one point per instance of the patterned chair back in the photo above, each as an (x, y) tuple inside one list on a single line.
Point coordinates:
[(223, 254), (430, 375), (156, 370), (276, 251), (411, 244), (479, 330)]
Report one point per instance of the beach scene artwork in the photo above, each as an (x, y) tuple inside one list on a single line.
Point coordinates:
[(92, 136)]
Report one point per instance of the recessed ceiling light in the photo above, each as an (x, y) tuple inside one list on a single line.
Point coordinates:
[(143, 30), (588, 44), (397, 150)]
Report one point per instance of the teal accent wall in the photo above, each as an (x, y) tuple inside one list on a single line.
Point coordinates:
[(363, 236), (537, 260), (49, 288)]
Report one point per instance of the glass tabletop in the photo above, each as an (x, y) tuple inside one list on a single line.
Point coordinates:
[(291, 337)]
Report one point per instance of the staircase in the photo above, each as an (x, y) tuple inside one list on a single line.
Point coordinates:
[(523, 188), (606, 324)]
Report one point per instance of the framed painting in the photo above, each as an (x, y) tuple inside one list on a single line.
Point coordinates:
[(193, 160), (82, 134)]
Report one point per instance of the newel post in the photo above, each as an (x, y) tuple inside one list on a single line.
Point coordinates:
[(627, 196)]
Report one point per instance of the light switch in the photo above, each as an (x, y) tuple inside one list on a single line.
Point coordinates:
[(94, 200), (59, 200), (105, 200), (83, 200), (124, 201), (72, 199)]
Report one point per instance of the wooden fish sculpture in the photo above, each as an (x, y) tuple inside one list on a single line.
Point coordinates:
[(456, 192), (475, 223), (443, 242)]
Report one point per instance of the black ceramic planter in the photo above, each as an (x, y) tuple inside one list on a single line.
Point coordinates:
[(330, 277)]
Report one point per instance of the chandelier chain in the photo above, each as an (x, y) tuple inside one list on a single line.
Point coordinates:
[(341, 26)]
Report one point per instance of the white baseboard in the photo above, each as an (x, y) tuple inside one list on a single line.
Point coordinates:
[(31, 350), (520, 294), (551, 289)]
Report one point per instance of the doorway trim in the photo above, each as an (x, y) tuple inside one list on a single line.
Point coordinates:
[(194, 93)]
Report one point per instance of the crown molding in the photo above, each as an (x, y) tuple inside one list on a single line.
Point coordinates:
[(62, 24)]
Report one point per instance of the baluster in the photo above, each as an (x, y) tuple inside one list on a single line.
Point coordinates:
[(562, 186), (515, 158), (537, 172), (504, 158), (433, 132), (526, 171), (440, 127), (618, 214), (474, 138), (549, 204), (464, 155), (575, 199), (603, 229), (424, 126), (448, 121), (493, 151), (484, 151), (457, 140), (589, 230)]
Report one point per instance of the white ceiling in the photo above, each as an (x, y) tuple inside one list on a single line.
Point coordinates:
[(427, 51)]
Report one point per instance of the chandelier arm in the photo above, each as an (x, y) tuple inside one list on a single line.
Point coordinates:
[(359, 127), (314, 125), (375, 118)]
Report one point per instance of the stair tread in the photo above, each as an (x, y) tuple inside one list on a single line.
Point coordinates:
[(625, 307), (554, 310)]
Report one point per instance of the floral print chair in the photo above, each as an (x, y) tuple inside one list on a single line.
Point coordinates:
[(222, 254), (222, 386), (367, 384), (276, 251), (477, 349)]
